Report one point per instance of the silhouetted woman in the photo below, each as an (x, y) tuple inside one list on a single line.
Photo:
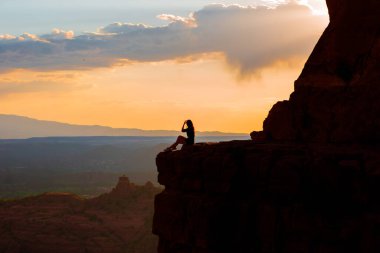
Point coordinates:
[(183, 140)]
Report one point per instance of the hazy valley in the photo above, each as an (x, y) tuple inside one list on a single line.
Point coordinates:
[(87, 166)]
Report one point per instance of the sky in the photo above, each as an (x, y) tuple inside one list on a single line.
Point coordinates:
[(152, 64)]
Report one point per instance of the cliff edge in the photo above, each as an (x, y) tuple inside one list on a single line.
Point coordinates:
[(247, 197), (311, 183)]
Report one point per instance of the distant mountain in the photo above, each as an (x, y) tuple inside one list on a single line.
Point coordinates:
[(20, 127)]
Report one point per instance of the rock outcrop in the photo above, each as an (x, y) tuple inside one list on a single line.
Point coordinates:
[(123, 187), (245, 197), (336, 97), (310, 181)]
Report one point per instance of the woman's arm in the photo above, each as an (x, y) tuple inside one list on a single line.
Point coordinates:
[(183, 126)]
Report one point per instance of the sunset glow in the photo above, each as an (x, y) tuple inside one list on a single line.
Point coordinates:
[(223, 66)]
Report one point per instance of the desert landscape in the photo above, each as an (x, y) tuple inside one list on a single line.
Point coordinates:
[(118, 221)]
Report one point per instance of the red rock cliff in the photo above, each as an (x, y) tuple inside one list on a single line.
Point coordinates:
[(246, 197), (312, 185), (336, 96)]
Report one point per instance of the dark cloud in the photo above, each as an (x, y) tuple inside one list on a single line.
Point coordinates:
[(251, 38)]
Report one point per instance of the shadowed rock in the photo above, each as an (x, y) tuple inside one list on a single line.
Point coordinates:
[(295, 188), (123, 187), (336, 96)]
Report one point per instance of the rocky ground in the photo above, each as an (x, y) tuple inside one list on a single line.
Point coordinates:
[(119, 221)]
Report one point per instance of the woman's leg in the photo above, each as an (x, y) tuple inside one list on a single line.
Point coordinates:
[(180, 140)]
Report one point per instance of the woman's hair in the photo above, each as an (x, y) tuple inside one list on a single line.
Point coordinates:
[(189, 123)]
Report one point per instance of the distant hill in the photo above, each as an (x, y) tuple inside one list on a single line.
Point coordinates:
[(20, 127)]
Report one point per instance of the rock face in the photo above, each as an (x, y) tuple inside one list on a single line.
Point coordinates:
[(247, 197), (309, 182), (336, 97), (123, 187)]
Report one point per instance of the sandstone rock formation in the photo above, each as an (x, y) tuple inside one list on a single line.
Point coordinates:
[(246, 197), (309, 182), (336, 97), (123, 187), (119, 221)]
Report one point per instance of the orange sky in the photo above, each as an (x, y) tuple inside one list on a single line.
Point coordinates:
[(222, 66), (205, 90)]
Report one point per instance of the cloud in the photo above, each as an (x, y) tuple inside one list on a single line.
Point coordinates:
[(31, 87), (121, 28), (7, 37), (21, 81), (189, 21), (251, 38), (58, 34)]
